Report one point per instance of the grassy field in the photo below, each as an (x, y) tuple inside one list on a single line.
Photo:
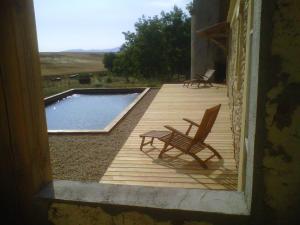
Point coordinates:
[(98, 80), (58, 66), (59, 63)]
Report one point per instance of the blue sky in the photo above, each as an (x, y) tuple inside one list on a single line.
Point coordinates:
[(92, 24)]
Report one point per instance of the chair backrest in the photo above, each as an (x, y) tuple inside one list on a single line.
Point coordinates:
[(206, 124), (209, 74)]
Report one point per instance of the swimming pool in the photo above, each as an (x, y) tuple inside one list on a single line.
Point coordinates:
[(89, 110)]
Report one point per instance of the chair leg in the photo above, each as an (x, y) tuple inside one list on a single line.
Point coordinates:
[(165, 149), (142, 143), (151, 142), (200, 161), (213, 150)]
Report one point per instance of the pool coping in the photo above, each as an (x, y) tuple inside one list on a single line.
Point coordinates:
[(113, 123)]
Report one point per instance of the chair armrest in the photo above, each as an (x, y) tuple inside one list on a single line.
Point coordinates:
[(177, 131), (200, 75), (191, 122)]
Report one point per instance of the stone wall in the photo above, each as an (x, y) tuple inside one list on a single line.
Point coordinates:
[(236, 71), (281, 160)]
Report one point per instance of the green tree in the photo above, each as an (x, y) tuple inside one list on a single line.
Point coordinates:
[(108, 60), (178, 40), (159, 47)]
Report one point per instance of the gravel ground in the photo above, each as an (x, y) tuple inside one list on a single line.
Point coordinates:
[(86, 157)]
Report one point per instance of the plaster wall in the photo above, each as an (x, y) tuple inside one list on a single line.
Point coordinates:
[(282, 115), (276, 179), (70, 214)]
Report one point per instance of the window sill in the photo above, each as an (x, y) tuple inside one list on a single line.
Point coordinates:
[(206, 201)]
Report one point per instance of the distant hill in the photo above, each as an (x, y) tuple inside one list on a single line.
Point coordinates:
[(117, 49)]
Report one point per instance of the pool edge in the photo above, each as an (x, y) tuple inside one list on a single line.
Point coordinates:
[(112, 124)]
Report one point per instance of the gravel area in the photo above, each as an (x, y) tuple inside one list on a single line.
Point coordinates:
[(86, 157)]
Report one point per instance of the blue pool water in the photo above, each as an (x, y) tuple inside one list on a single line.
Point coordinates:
[(86, 111)]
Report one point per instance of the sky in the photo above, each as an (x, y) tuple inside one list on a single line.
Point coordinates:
[(92, 24)]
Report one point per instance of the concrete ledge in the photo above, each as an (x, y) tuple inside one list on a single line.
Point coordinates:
[(112, 124), (206, 201)]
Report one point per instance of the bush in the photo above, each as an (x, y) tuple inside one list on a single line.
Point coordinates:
[(108, 80), (84, 78), (99, 85)]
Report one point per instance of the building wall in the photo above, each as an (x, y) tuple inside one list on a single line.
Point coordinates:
[(204, 54), (281, 80), (236, 72), (276, 167)]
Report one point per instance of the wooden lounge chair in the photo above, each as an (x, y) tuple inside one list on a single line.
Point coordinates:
[(183, 142), (203, 79)]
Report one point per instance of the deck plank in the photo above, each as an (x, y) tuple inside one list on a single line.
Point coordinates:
[(172, 103)]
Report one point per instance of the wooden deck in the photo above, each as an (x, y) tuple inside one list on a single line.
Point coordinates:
[(173, 102)]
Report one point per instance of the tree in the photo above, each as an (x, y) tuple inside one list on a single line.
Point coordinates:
[(108, 60), (178, 39), (159, 47)]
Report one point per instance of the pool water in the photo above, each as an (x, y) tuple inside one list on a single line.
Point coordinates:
[(86, 111)]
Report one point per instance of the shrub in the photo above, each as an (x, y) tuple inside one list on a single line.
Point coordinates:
[(108, 80)]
